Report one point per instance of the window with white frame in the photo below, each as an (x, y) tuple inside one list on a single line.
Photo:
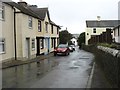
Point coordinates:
[(51, 29), (57, 30), (30, 22), (46, 27), (39, 26), (2, 12), (2, 45), (94, 30), (33, 44)]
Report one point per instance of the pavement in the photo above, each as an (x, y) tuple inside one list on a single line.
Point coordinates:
[(96, 79), (13, 63)]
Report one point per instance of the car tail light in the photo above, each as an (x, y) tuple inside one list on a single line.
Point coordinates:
[(55, 49)]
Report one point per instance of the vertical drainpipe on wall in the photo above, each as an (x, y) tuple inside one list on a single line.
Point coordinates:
[(15, 33)]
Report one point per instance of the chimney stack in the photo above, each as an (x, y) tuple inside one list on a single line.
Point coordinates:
[(23, 3), (98, 18), (33, 6)]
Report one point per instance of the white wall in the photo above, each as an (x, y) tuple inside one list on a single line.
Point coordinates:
[(7, 33)]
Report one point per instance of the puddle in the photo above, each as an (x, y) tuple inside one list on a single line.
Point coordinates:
[(21, 75)]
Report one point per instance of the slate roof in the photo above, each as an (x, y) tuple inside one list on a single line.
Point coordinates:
[(23, 9), (41, 12), (102, 23)]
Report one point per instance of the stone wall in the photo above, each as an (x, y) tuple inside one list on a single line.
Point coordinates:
[(109, 61)]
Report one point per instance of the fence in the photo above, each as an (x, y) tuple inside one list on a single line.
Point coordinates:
[(105, 37)]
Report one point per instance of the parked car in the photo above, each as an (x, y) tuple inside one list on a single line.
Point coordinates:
[(73, 46), (62, 49)]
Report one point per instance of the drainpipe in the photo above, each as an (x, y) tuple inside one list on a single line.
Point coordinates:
[(15, 34)]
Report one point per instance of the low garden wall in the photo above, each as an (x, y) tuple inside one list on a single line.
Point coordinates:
[(109, 61)]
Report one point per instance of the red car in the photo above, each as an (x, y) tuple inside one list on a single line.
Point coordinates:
[(62, 49)]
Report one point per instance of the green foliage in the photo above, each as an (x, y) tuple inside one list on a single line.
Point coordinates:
[(65, 37), (108, 45), (81, 39)]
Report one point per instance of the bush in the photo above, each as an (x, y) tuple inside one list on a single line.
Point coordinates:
[(108, 45)]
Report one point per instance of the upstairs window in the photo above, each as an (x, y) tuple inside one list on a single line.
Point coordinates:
[(2, 12), (30, 22), (2, 46), (57, 30), (94, 30), (46, 27), (39, 26), (52, 29)]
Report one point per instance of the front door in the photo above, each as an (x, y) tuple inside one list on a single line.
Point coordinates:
[(38, 46), (27, 47)]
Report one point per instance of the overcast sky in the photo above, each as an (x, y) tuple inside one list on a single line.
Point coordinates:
[(73, 13)]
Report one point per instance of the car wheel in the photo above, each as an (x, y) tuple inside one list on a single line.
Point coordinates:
[(67, 53), (55, 54)]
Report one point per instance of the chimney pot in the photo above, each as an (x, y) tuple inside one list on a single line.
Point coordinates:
[(23, 3), (98, 18)]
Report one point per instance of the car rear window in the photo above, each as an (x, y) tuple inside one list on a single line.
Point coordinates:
[(62, 46)]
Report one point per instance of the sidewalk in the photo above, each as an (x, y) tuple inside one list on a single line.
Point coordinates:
[(13, 63), (98, 79)]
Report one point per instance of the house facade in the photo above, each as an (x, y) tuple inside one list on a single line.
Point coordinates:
[(25, 33), (97, 27), (116, 32), (6, 32), (50, 31)]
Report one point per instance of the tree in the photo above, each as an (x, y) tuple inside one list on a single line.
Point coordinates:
[(81, 39), (64, 36)]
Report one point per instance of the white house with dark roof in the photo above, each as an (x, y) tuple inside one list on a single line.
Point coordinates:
[(25, 32), (96, 27), (116, 32)]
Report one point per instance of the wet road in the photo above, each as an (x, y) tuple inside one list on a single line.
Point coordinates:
[(56, 72)]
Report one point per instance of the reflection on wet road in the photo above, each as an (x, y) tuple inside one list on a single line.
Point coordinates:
[(56, 72)]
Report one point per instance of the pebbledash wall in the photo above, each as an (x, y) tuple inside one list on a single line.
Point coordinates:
[(109, 61)]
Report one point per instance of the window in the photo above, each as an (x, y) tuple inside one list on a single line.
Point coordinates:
[(52, 29), (57, 30), (118, 31), (2, 46), (30, 22), (33, 44), (57, 41), (46, 27), (94, 30), (2, 12), (41, 43), (39, 26)]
